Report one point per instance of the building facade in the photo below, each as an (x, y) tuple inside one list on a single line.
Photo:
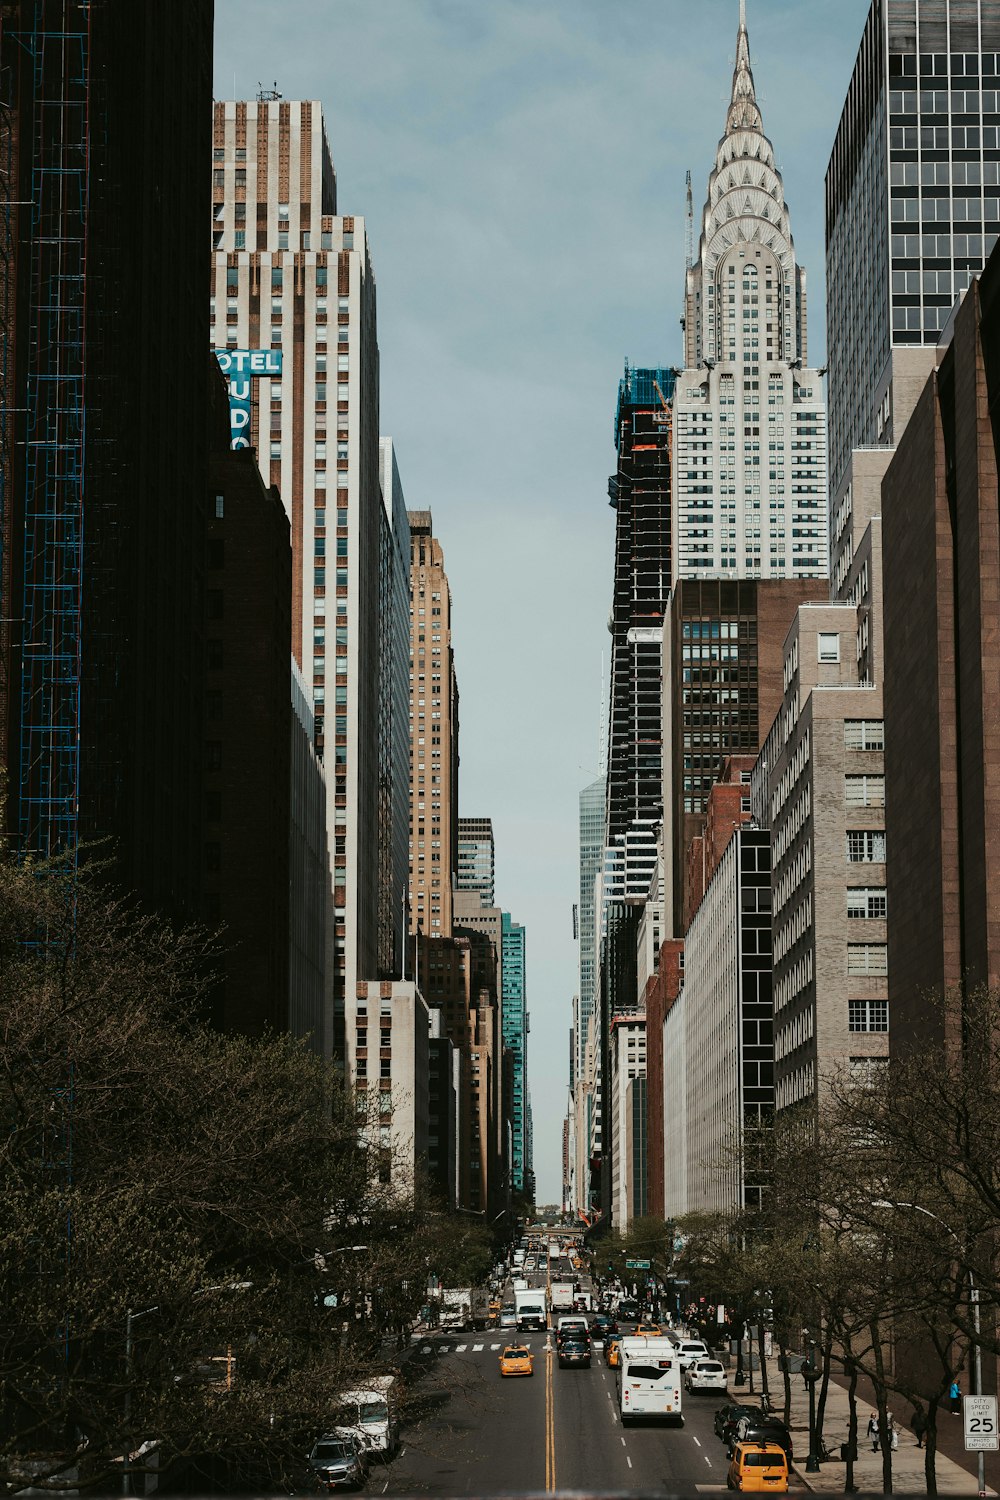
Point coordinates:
[(942, 772), (104, 502), (293, 278), (433, 735), (515, 1027), (475, 868), (912, 207), (749, 472), (310, 894), (723, 646)]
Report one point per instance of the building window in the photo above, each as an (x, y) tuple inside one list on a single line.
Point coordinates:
[(864, 734), (867, 958), (866, 903), (868, 1015), (865, 846), (829, 646), (864, 791), (220, 507)]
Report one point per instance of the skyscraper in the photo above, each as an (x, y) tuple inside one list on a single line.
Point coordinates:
[(912, 202), (104, 499), (749, 486), (514, 1024), (293, 286), (592, 809), (476, 857), (640, 494), (433, 734)]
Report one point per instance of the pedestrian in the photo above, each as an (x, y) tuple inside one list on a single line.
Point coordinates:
[(873, 1432), (919, 1425), (893, 1432), (955, 1397)]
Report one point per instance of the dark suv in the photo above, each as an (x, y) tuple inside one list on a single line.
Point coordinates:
[(762, 1429), (574, 1350)]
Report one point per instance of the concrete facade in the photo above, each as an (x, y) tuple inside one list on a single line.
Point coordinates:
[(394, 1070), (825, 795)]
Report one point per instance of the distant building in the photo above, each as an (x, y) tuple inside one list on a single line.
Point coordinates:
[(433, 735), (309, 889), (475, 870), (515, 1039), (722, 659), (393, 1025)]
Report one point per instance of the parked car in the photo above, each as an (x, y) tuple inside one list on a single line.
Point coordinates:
[(705, 1375), (516, 1360), (339, 1462), (758, 1467), (727, 1417), (761, 1428)]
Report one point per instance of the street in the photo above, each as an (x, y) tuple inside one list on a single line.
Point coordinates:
[(476, 1433)]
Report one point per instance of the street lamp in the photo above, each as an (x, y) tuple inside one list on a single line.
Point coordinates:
[(977, 1352), (810, 1374)]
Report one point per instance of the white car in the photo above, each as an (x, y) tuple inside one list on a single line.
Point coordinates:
[(689, 1351), (705, 1375)]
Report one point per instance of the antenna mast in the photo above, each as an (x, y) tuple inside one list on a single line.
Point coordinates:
[(689, 225)]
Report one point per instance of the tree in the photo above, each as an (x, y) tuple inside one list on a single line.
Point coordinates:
[(193, 1240)]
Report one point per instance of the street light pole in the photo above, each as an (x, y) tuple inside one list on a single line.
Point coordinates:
[(130, 1318)]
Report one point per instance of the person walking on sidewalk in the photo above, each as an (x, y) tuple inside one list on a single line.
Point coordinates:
[(919, 1425), (955, 1397), (873, 1432)]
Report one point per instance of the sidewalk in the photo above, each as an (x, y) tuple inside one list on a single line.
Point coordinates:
[(953, 1478)]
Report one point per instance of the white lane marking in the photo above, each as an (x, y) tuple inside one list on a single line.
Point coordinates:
[(477, 1348), (696, 1440), (623, 1442), (494, 1346), (708, 1460), (461, 1348), (628, 1460)]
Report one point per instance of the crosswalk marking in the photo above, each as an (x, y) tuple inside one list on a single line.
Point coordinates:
[(426, 1349), (477, 1348), (461, 1348), (494, 1346)]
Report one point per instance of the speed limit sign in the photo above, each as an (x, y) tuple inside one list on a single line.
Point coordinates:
[(980, 1417)]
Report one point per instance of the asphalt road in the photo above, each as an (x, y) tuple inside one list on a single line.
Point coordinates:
[(470, 1432)]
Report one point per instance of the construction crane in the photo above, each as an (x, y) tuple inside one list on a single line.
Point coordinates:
[(662, 418)]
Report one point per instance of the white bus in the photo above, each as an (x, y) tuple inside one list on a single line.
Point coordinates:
[(649, 1380)]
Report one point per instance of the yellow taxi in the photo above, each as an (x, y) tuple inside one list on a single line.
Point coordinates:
[(516, 1360), (758, 1467), (612, 1354), (650, 1330)]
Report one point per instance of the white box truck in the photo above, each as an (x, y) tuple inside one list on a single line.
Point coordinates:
[(648, 1380), (561, 1296), (531, 1310)]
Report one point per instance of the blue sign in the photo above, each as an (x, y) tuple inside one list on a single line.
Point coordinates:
[(241, 366)]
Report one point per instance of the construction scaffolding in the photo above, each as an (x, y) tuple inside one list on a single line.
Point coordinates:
[(57, 44)]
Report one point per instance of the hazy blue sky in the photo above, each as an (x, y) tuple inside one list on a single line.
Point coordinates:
[(520, 166)]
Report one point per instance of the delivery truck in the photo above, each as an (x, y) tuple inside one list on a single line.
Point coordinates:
[(531, 1310)]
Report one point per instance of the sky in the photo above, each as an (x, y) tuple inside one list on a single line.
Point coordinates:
[(520, 165)]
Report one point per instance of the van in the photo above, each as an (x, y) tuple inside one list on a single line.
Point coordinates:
[(759, 1467), (648, 1380), (370, 1415)]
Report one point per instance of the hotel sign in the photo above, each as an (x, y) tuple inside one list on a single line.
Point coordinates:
[(241, 366)]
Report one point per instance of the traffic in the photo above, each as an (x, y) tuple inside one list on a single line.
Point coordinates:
[(601, 1356)]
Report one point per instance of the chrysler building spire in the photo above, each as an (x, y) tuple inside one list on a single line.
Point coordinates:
[(743, 111)]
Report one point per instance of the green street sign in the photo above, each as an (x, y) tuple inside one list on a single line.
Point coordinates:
[(637, 1265)]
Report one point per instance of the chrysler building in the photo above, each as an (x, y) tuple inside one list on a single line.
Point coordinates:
[(749, 472)]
